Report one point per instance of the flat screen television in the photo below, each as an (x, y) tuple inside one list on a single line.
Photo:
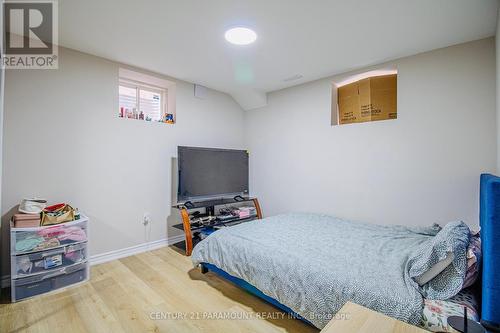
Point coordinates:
[(211, 173)]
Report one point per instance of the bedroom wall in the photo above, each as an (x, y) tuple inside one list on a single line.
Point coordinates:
[(64, 142), (419, 169), (3, 262), (2, 86)]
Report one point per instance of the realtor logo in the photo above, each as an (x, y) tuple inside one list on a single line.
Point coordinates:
[(30, 35)]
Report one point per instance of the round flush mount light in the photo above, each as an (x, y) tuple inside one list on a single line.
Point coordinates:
[(240, 36)]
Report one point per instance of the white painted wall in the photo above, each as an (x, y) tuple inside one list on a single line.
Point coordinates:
[(419, 169), (64, 142), (2, 87), (3, 262)]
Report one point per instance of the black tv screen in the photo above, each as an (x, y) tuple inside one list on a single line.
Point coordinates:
[(211, 172)]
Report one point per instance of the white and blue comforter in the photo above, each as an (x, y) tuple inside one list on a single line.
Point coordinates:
[(314, 263)]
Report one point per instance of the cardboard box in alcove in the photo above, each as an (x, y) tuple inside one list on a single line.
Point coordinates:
[(370, 99)]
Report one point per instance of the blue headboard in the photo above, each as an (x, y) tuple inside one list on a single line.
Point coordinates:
[(489, 216)]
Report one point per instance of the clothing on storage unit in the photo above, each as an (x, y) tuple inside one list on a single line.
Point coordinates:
[(50, 237)]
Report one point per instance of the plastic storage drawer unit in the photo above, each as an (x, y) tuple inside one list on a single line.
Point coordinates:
[(40, 262), (47, 258), (27, 240), (41, 283)]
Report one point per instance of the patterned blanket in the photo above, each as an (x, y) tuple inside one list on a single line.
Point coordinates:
[(315, 263)]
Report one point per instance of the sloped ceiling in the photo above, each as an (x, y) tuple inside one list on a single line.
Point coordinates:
[(298, 41)]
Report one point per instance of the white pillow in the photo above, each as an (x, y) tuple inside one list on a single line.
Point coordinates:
[(435, 270)]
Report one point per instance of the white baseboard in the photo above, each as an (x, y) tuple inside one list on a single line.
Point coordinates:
[(130, 251), (117, 254)]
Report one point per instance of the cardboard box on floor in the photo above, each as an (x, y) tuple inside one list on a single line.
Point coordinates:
[(370, 99)]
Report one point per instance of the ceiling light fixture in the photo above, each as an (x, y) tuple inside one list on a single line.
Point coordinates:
[(240, 36)]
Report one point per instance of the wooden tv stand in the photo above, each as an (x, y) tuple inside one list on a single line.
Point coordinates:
[(193, 229)]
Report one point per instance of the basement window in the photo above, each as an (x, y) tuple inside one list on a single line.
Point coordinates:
[(145, 98), (141, 102)]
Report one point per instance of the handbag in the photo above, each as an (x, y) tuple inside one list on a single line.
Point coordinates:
[(32, 206), (56, 214)]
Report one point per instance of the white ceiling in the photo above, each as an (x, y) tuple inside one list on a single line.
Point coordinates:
[(315, 38)]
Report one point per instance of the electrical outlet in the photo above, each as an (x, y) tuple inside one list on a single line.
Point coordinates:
[(147, 219)]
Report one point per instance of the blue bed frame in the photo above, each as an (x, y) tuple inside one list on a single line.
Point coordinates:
[(251, 289), (489, 216)]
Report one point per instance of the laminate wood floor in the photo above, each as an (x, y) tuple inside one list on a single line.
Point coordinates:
[(157, 291)]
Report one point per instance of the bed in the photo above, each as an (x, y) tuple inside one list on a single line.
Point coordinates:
[(310, 265)]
